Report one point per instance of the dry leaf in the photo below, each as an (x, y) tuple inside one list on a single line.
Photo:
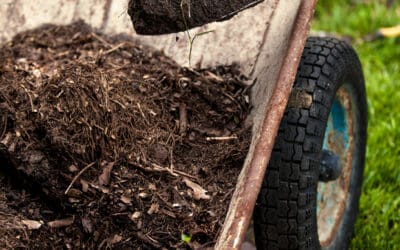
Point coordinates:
[(87, 225), (73, 192), (73, 200), (104, 178), (61, 223), (32, 224), (105, 190), (85, 186), (198, 191), (152, 187), (72, 168), (126, 200), (117, 238)]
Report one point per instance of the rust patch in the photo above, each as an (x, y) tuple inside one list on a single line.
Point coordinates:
[(299, 98)]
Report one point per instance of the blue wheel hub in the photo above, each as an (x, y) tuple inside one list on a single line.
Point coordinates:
[(335, 167)]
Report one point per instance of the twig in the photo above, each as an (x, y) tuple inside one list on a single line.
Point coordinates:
[(171, 171), (77, 176), (182, 118), (191, 40), (5, 127), (141, 112), (119, 103), (105, 88), (146, 239), (157, 168), (114, 49), (171, 158), (184, 21), (30, 98), (101, 40), (59, 94), (221, 138)]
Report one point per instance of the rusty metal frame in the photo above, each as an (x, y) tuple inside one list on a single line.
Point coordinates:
[(232, 236)]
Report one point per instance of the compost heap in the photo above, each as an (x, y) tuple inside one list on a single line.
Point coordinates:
[(107, 143)]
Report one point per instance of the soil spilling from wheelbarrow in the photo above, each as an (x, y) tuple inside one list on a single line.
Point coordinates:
[(107, 143)]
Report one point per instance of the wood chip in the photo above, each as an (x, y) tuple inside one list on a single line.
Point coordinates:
[(143, 195), (32, 224), (73, 200), (85, 186), (198, 192), (116, 239), (104, 178), (153, 209), (136, 215), (87, 225), (152, 187), (126, 200), (61, 223), (72, 168), (73, 192)]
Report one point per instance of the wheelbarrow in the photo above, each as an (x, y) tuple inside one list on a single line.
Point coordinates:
[(301, 181)]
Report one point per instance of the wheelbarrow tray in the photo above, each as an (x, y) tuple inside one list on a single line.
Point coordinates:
[(266, 41)]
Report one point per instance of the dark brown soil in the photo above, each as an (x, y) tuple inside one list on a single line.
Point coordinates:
[(106, 143), (151, 17)]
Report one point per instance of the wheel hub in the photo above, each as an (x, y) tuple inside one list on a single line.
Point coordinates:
[(335, 168), (330, 168)]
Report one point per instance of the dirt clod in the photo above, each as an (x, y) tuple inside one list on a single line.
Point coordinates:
[(108, 145)]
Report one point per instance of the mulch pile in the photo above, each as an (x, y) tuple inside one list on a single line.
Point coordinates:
[(107, 143)]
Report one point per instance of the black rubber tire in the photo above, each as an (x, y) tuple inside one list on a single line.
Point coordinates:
[(285, 216)]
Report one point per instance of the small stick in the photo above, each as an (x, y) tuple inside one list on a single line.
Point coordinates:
[(114, 49), (59, 94), (141, 112), (119, 103), (30, 98), (222, 138), (173, 172), (101, 39), (182, 118), (77, 176), (5, 127), (157, 168), (161, 169), (145, 239)]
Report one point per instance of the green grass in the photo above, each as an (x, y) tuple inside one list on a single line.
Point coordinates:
[(378, 224)]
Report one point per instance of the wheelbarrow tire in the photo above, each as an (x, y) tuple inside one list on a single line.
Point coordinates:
[(285, 216)]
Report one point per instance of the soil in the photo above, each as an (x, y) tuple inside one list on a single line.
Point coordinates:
[(106, 143), (152, 17)]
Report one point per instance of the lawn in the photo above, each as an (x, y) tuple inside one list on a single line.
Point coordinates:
[(378, 224)]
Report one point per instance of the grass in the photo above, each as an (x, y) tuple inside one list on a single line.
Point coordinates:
[(378, 224)]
